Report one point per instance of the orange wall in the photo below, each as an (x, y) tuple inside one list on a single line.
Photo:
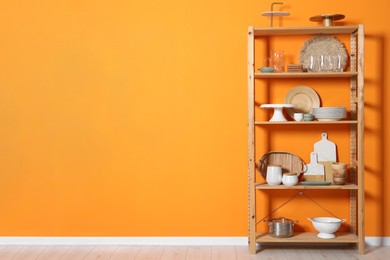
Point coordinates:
[(128, 118)]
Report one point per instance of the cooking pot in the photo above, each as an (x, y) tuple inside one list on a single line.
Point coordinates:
[(281, 227)]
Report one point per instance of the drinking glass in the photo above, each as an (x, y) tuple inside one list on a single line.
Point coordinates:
[(337, 63), (328, 63), (312, 64)]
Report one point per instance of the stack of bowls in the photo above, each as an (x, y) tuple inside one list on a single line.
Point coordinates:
[(339, 173), (329, 113)]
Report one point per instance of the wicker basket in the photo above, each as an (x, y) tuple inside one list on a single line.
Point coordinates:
[(289, 162)]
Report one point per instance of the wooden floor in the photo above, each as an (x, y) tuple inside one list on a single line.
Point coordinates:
[(64, 252)]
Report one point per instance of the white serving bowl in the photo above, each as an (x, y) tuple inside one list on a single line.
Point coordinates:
[(290, 179), (326, 226)]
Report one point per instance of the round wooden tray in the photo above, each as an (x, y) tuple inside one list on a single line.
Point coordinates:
[(290, 163)]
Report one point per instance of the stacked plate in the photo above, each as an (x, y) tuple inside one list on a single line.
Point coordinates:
[(329, 113)]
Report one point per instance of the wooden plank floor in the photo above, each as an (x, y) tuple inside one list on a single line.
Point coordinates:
[(129, 252)]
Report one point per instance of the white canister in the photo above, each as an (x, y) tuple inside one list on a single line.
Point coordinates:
[(290, 179), (274, 174)]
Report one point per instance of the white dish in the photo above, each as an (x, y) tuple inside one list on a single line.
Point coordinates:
[(303, 98)]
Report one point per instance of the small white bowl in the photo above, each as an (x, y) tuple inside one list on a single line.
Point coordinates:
[(326, 226), (298, 116), (290, 179)]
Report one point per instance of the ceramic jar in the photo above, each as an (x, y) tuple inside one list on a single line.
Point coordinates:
[(274, 174)]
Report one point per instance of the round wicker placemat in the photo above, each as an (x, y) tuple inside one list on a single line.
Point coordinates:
[(323, 45)]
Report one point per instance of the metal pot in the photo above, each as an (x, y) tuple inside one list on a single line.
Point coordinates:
[(281, 227)]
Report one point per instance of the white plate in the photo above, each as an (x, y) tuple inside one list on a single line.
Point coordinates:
[(303, 98), (330, 113)]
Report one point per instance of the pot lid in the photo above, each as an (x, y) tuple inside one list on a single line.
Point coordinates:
[(281, 220)]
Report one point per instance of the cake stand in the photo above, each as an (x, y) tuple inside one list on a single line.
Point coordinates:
[(278, 111), (327, 19)]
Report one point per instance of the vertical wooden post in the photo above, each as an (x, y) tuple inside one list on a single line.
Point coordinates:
[(361, 230), (251, 142)]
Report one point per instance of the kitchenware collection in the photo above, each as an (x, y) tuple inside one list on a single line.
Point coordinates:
[(287, 169), (302, 103), (319, 54), (326, 227)]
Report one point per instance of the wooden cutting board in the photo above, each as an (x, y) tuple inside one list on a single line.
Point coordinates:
[(325, 149), (328, 171), (315, 171)]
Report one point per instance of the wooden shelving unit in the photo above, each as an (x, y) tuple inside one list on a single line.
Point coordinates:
[(355, 75)]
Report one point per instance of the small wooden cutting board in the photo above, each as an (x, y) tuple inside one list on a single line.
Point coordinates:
[(315, 171)]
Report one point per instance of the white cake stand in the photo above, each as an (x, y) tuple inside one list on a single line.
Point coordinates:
[(278, 111)]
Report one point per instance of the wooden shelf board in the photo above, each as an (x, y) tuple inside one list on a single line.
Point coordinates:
[(270, 31), (281, 75), (265, 186), (341, 122), (307, 237)]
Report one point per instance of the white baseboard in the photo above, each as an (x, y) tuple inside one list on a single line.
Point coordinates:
[(370, 241), (377, 241), (123, 240)]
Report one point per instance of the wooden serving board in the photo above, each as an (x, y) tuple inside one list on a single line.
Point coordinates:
[(315, 171), (325, 149)]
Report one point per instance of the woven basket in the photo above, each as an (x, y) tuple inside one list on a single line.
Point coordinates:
[(290, 163)]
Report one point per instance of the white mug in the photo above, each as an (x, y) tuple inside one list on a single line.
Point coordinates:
[(298, 116), (274, 174)]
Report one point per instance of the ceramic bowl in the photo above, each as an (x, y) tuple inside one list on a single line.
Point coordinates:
[(339, 165), (290, 179), (308, 117), (267, 69), (339, 181), (326, 226)]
